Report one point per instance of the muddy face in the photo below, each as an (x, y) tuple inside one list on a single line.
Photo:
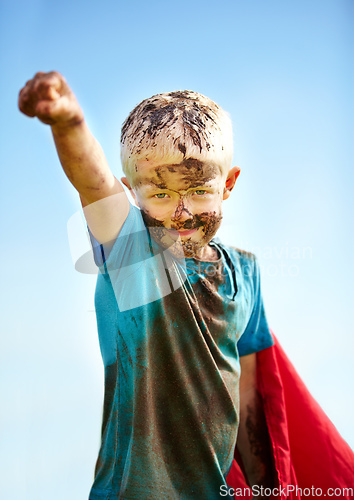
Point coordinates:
[(181, 205)]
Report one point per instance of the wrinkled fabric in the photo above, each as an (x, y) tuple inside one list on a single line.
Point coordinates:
[(309, 454), (169, 332)]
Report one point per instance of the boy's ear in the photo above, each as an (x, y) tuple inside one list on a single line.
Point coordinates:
[(230, 181), (127, 185)]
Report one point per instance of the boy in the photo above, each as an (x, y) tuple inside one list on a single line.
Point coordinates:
[(175, 308)]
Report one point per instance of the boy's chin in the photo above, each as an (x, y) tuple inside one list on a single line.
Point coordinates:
[(192, 249)]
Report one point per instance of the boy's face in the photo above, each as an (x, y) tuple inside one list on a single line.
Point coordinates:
[(182, 202)]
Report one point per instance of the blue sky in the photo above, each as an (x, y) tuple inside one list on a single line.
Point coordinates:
[(284, 71)]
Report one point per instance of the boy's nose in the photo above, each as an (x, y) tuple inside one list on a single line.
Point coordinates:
[(181, 213)]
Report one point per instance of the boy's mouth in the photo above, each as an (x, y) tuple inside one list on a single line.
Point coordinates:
[(184, 232)]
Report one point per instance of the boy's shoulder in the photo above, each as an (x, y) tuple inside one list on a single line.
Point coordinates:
[(243, 262)]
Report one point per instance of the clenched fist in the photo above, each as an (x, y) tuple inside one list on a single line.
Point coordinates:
[(48, 97)]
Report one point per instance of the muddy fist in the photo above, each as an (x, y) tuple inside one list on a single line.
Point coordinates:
[(49, 98)]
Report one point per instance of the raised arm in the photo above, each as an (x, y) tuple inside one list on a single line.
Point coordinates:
[(49, 98), (253, 442)]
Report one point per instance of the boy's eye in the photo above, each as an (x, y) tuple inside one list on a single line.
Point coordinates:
[(200, 192), (160, 195)]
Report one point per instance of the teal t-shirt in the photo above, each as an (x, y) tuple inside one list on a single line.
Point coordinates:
[(171, 333)]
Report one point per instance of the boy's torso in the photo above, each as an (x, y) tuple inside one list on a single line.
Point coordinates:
[(168, 335)]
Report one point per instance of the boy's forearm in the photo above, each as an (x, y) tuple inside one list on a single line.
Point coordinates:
[(253, 442), (83, 161)]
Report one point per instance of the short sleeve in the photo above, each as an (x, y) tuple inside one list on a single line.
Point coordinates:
[(257, 335), (97, 249), (131, 234)]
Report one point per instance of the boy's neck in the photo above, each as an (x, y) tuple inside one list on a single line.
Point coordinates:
[(208, 254)]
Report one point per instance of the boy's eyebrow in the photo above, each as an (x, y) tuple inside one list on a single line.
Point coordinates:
[(192, 174), (151, 186)]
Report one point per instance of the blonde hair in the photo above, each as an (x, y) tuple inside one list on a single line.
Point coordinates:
[(173, 127)]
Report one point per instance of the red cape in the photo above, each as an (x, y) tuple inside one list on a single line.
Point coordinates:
[(311, 458)]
